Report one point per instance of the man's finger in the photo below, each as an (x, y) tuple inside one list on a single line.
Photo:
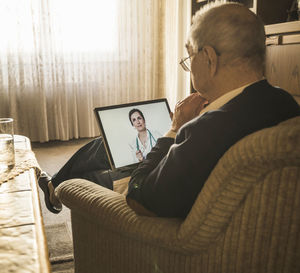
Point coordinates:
[(188, 98)]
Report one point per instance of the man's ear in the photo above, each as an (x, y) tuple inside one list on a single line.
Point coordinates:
[(212, 59)]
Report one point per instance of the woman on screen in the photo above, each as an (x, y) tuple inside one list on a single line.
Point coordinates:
[(145, 139)]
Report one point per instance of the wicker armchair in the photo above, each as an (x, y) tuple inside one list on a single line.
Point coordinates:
[(245, 219)]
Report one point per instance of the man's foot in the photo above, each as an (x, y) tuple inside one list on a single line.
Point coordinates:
[(51, 201)]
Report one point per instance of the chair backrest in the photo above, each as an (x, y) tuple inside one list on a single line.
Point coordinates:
[(258, 175)]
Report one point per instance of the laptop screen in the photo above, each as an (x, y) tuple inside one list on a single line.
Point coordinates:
[(130, 130)]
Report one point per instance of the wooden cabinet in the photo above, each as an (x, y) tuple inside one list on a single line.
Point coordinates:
[(283, 56)]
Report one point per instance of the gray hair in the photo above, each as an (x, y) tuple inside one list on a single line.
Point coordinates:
[(231, 29)]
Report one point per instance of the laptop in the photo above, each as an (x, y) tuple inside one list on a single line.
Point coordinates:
[(129, 131)]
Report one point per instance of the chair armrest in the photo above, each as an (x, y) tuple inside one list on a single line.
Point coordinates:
[(237, 180), (109, 209)]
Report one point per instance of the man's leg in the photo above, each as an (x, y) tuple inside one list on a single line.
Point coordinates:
[(103, 178), (87, 163)]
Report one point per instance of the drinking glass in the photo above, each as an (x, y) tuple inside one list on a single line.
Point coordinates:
[(7, 151)]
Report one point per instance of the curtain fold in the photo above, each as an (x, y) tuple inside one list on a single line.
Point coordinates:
[(60, 59)]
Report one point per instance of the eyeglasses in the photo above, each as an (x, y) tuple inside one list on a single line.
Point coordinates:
[(186, 62)]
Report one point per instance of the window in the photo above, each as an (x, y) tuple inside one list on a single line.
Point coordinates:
[(68, 25), (86, 25)]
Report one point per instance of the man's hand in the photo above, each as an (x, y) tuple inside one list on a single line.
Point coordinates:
[(186, 110)]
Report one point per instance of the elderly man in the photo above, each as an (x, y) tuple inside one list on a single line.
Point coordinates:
[(226, 51)]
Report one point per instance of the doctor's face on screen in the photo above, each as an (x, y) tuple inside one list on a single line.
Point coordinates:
[(138, 121)]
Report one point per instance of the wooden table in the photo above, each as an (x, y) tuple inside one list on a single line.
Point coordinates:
[(23, 245)]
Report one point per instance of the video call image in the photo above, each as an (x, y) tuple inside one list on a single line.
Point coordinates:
[(132, 131)]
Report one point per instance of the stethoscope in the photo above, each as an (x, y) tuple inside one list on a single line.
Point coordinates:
[(151, 137)]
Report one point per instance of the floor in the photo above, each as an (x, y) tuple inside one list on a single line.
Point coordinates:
[(51, 157)]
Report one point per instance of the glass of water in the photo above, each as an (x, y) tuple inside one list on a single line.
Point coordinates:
[(7, 151)]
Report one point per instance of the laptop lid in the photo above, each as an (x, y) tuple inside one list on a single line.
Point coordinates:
[(129, 131)]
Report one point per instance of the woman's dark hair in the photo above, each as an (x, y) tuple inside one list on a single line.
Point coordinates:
[(133, 111)]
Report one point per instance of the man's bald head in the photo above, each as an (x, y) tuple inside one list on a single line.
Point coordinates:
[(235, 32)]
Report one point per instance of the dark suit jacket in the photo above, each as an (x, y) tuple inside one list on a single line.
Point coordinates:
[(168, 181)]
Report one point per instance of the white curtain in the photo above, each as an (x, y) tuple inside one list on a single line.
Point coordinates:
[(61, 58)]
